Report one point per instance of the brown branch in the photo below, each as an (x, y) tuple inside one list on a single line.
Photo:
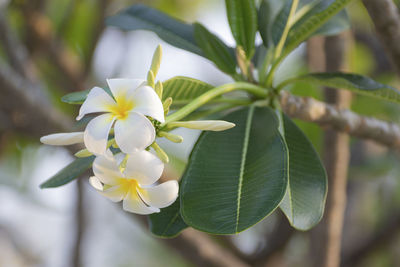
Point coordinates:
[(16, 54), (342, 120), (201, 250), (67, 63), (28, 105), (336, 161), (385, 16)]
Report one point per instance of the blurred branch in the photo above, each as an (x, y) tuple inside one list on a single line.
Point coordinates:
[(28, 106), (80, 222), (336, 160), (385, 16), (64, 60), (16, 54), (199, 249), (381, 238), (342, 120)]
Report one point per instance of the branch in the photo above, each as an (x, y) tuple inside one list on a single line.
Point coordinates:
[(28, 105), (329, 116), (201, 250), (385, 16)]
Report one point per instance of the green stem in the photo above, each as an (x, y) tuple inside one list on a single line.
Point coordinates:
[(217, 91), (285, 33), (286, 82), (235, 101)]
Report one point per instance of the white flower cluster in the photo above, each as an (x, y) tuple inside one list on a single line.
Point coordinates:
[(130, 176)]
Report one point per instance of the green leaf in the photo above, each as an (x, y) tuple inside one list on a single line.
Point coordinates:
[(242, 17), (69, 173), (171, 30), (77, 98), (236, 177), (214, 49), (309, 26), (168, 223), (353, 82), (304, 201), (280, 22), (184, 89)]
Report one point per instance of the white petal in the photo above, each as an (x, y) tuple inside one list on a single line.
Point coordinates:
[(143, 166), (106, 170), (160, 196), (97, 101), (115, 193), (96, 133), (133, 203), (62, 139), (96, 183), (210, 125), (148, 103), (135, 132), (124, 88)]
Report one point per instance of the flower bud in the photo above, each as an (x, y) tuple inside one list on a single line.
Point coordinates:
[(209, 125)]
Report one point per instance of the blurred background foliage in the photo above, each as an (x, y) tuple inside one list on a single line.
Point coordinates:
[(70, 50)]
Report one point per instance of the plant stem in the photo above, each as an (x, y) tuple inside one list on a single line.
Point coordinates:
[(217, 91)]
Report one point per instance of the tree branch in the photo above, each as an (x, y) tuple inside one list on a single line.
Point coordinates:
[(385, 16), (342, 120)]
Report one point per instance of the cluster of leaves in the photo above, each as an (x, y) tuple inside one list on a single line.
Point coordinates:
[(237, 177)]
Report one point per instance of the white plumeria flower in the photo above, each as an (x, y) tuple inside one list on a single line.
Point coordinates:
[(62, 139), (134, 185), (133, 101)]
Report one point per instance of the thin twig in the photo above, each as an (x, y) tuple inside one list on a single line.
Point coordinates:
[(385, 16)]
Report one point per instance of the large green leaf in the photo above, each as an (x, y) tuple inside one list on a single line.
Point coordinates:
[(69, 173), (305, 197), (168, 223), (309, 26), (173, 31), (280, 22), (214, 49), (236, 177), (353, 82), (242, 17), (184, 89)]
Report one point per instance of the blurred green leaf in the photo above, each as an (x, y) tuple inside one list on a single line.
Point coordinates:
[(77, 98), (168, 223), (69, 173), (327, 9), (214, 49), (353, 82), (173, 31), (305, 197), (264, 21), (242, 17), (236, 177)]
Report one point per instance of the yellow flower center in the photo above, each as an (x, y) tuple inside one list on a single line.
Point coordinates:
[(129, 184), (122, 108)]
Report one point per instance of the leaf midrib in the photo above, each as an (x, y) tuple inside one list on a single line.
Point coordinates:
[(243, 162)]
